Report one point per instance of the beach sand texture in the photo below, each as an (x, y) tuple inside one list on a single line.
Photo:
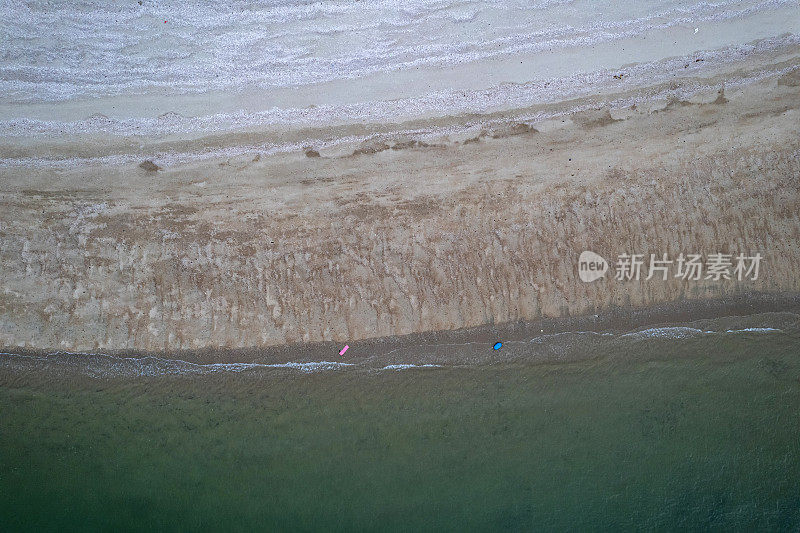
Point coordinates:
[(289, 248), (151, 238)]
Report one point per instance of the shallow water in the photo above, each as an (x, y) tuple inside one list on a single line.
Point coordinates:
[(663, 430)]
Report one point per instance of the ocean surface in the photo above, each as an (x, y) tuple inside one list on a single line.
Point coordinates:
[(679, 426), (196, 68)]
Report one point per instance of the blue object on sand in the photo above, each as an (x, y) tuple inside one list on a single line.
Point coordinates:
[(497, 345)]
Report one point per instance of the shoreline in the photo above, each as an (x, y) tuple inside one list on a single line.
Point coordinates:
[(375, 352), (341, 266)]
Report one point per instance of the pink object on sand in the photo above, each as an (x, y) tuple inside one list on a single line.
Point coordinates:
[(344, 349)]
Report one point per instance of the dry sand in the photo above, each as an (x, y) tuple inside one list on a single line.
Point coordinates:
[(399, 237)]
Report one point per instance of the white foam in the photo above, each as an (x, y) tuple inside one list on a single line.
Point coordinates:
[(671, 332), (106, 365), (754, 330), (540, 339), (684, 332), (402, 366), (312, 367)]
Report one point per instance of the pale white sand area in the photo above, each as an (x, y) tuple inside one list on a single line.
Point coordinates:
[(120, 69)]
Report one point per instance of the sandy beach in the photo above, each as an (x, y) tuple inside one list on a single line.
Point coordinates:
[(323, 265), (466, 226)]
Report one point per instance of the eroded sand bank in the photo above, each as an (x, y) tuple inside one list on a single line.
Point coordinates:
[(399, 237)]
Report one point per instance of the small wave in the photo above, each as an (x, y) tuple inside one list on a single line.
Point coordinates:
[(671, 332), (311, 367), (565, 334), (685, 332), (303, 367), (171, 366), (409, 366), (754, 330), (106, 365)]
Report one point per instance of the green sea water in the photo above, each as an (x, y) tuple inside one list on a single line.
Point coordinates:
[(700, 433)]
